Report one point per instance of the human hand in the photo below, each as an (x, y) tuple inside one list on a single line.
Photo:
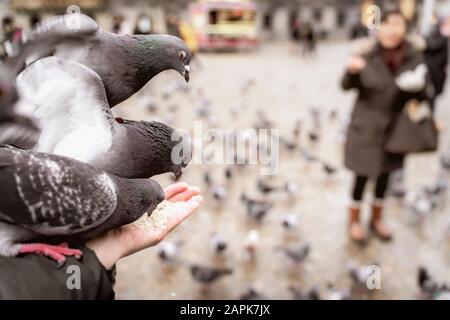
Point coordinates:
[(355, 64), (126, 240)]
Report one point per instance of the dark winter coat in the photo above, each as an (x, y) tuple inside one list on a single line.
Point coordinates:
[(375, 108), (37, 277)]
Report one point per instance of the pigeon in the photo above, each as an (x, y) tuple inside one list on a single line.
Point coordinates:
[(419, 204), (298, 294), (313, 136), (250, 245), (298, 254), (251, 294), (208, 275), (228, 172), (291, 188), (289, 145), (338, 294), (264, 187), (219, 193), (77, 122), (218, 244), (168, 251), (360, 274), (207, 179), (256, 209), (125, 63), (289, 221), (430, 289), (329, 169), (46, 196), (297, 129), (15, 129)]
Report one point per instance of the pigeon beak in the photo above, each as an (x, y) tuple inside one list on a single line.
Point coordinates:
[(187, 73), (178, 175)]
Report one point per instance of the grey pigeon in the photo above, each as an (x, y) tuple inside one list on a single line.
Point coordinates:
[(256, 209), (297, 254), (251, 294), (125, 63), (45, 196), (218, 244), (208, 275), (298, 294), (77, 122)]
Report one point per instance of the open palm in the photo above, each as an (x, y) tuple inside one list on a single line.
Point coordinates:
[(129, 239)]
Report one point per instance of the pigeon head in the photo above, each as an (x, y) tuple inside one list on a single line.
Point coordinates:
[(171, 53), (135, 197), (161, 148)]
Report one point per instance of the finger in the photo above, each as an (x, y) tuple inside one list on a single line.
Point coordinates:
[(174, 189), (185, 195), (189, 208)]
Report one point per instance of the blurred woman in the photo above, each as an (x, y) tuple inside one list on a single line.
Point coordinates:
[(374, 71)]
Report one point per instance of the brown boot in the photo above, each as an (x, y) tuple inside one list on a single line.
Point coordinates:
[(355, 229), (377, 225)]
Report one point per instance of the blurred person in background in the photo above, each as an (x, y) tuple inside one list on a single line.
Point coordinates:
[(117, 24), (436, 56), (10, 31), (309, 36), (373, 70)]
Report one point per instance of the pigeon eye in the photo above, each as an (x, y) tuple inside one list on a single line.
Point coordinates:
[(182, 55)]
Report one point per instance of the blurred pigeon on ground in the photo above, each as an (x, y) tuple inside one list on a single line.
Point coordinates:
[(291, 188), (252, 294), (219, 193), (48, 196), (298, 254), (207, 180), (265, 187), (360, 274), (125, 63), (419, 204), (208, 275), (77, 122), (329, 169), (289, 145), (251, 244), (430, 289), (298, 294), (228, 172), (218, 244), (256, 209), (289, 221), (169, 251), (297, 129)]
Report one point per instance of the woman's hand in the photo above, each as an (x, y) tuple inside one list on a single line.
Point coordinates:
[(126, 240), (355, 64)]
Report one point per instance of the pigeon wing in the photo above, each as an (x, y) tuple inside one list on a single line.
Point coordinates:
[(53, 195), (42, 41), (70, 101)]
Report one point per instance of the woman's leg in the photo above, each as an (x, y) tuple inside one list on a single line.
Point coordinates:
[(358, 188), (356, 230), (376, 221)]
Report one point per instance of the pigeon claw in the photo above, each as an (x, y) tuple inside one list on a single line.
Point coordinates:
[(57, 253)]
